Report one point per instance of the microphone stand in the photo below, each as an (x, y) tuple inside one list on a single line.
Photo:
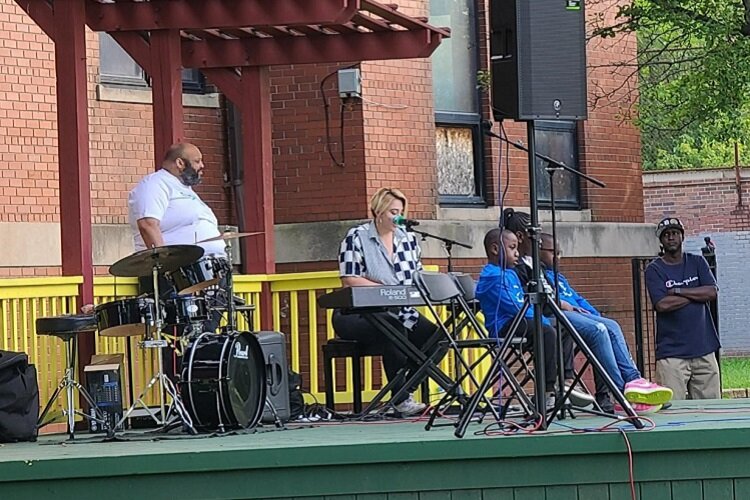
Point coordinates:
[(538, 295), (447, 242), (553, 164), (448, 245)]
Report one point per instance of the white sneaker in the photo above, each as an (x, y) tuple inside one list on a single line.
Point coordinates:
[(579, 398), (409, 407), (550, 401)]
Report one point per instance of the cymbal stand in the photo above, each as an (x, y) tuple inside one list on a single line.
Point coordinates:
[(231, 321), (165, 384)]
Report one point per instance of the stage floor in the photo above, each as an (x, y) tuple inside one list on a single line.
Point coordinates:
[(695, 450)]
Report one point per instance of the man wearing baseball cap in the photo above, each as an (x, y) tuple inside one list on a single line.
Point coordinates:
[(681, 285)]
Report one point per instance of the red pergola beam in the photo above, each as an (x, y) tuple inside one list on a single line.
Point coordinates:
[(138, 47), (73, 152), (166, 74), (204, 14), (40, 11), (228, 82), (306, 50)]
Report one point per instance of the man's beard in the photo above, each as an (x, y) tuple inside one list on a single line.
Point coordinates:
[(189, 176)]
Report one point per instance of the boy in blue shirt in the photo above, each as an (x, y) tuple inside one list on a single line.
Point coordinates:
[(500, 294), (604, 337)]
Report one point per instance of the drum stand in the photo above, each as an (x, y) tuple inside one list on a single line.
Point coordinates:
[(176, 408)]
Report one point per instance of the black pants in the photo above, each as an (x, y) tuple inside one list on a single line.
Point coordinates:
[(549, 337), (357, 327)]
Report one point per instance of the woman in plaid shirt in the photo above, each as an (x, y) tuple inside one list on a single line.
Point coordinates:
[(379, 253)]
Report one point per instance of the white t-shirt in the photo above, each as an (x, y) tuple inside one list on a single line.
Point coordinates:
[(183, 217)]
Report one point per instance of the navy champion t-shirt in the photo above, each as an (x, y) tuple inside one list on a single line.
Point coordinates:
[(687, 332)]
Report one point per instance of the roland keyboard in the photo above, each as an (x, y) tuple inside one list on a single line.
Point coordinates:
[(372, 296)]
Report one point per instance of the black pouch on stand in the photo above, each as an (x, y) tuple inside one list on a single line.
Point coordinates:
[(19, 398)]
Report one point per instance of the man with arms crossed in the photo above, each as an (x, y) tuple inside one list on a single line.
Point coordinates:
[(681, 285)]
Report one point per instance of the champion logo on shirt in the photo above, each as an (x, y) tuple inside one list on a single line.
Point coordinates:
[(686, 281)]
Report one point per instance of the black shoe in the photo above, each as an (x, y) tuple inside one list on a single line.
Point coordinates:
[(605, 403)]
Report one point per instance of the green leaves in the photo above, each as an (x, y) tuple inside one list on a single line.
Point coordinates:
[(694, 78)]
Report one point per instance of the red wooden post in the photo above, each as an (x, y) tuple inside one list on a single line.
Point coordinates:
[(257, 251), (73, 151), (166, 83)]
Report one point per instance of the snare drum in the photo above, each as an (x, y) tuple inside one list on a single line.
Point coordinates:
[(126, 317), (205, 272), (185, 309)]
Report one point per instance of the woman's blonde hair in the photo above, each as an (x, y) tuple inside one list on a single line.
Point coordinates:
[(383, 198)]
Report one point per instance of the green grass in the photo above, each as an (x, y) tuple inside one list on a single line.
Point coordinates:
[(735, 373)]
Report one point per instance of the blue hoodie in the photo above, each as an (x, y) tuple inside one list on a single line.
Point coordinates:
[(500, 294), (568, 293)]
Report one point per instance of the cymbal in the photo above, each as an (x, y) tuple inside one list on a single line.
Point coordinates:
[(229, 235), (170, 258)]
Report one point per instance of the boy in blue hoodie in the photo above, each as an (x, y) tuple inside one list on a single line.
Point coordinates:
[(500, 294), (604, 337)]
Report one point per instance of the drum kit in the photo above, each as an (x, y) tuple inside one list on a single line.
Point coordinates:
[(222, 382)]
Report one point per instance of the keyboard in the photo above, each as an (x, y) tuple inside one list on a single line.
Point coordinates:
[(372, 296)]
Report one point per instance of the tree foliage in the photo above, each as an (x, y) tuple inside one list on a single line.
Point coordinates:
[(693, 69)]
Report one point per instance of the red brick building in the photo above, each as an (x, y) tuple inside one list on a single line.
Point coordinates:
[(417, 126)]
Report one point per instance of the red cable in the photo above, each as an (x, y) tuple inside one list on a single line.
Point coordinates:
[(630, 464)]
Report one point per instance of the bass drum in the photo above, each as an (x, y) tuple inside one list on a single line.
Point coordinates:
[(223, 380)]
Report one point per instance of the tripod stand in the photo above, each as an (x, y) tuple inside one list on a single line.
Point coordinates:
[(538, 297), (176, 408)]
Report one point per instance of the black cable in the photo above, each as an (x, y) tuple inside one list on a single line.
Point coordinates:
[(507, 166), (341, 133), (327, 118)]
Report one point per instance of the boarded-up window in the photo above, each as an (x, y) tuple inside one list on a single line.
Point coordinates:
[(455, 153)]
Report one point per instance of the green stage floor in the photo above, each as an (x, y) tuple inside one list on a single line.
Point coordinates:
[(697, 450)]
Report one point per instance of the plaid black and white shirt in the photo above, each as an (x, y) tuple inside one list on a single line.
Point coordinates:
[(363, 255)]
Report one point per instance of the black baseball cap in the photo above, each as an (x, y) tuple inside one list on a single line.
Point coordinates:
[(669, 223)]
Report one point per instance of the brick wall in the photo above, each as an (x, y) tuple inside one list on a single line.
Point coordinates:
[(308, 186), (28, 129), (707, 202), (121, 138)]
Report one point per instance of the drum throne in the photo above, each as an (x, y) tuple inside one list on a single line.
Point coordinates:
[(68, 328)]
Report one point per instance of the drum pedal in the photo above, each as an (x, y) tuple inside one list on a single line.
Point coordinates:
[(152, 344)]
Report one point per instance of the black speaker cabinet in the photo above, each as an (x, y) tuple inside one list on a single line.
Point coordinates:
[(277, 376), (538, 59)]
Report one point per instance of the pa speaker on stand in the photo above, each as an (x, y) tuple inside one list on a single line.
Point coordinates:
[(538, 59)]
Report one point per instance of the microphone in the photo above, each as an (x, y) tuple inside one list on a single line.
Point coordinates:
[(400, 220)]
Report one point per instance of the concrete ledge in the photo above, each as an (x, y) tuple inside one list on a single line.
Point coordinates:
[(493, 214), (144, 96), (675, 177), (735, 393), (320, 241), (30, 244)]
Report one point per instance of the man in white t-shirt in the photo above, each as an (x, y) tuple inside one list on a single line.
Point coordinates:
[(164, 209)]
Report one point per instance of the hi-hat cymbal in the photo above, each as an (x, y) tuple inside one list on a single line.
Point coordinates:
[(229, 235), (169, 258)]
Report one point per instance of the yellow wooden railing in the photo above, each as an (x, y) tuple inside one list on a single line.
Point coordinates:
[(294, 312), (22, 301)]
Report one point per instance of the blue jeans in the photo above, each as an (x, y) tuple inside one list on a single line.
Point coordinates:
[(605, 339)]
